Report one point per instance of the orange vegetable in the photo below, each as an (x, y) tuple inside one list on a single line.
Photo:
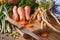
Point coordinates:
[(15, 14), (21, 13), (44, 34), (27, 12), (29, 25)]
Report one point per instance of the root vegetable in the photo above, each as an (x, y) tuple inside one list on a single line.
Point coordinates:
[(48, 24), (29, 25), (13, 1), (27, 12), (55, 17), (15, 14), (22, 22), (38, 17), (41, 25), (34, 15), (21, 13), (44, 35)]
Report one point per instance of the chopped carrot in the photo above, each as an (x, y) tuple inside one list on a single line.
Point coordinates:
[(22, 22), (44, 34), (29, 25)]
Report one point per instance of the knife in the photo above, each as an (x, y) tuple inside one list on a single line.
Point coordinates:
[(22, 29)]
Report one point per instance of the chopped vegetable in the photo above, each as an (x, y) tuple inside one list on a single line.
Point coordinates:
[(55, 17), (29, 25), (44, 35)]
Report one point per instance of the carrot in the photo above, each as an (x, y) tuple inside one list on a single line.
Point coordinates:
[(27, 12), (29, 25), (15, 14), (44, 34), (21, 13)]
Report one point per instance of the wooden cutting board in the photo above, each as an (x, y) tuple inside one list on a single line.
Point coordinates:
[(51, 35)]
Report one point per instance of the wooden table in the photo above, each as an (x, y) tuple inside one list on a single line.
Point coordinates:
[(51, 35)]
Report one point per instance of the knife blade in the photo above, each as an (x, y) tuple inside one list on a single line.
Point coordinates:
[(23, 29)]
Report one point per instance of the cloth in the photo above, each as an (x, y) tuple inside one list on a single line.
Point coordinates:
[(56, 8)]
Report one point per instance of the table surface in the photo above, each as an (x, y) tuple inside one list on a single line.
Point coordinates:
[(51, 35)]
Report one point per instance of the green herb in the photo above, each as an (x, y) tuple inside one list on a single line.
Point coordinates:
[(46, 5), (23, 3)]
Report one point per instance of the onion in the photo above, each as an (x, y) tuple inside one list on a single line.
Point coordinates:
[(13, 1)]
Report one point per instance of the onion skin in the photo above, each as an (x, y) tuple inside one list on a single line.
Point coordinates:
[(13, 1)]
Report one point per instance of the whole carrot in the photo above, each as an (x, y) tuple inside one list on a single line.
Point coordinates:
[(15, 14), (21, 13), (27, 12)]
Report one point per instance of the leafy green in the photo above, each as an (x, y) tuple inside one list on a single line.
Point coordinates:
[(1, 15), (5, 10), (46, 5), (30, 2), (23, 3)]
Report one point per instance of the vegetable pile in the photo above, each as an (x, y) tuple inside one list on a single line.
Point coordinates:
[(19, 11), (44, 11)]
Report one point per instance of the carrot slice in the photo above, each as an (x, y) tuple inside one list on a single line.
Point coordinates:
[(44, 34)]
